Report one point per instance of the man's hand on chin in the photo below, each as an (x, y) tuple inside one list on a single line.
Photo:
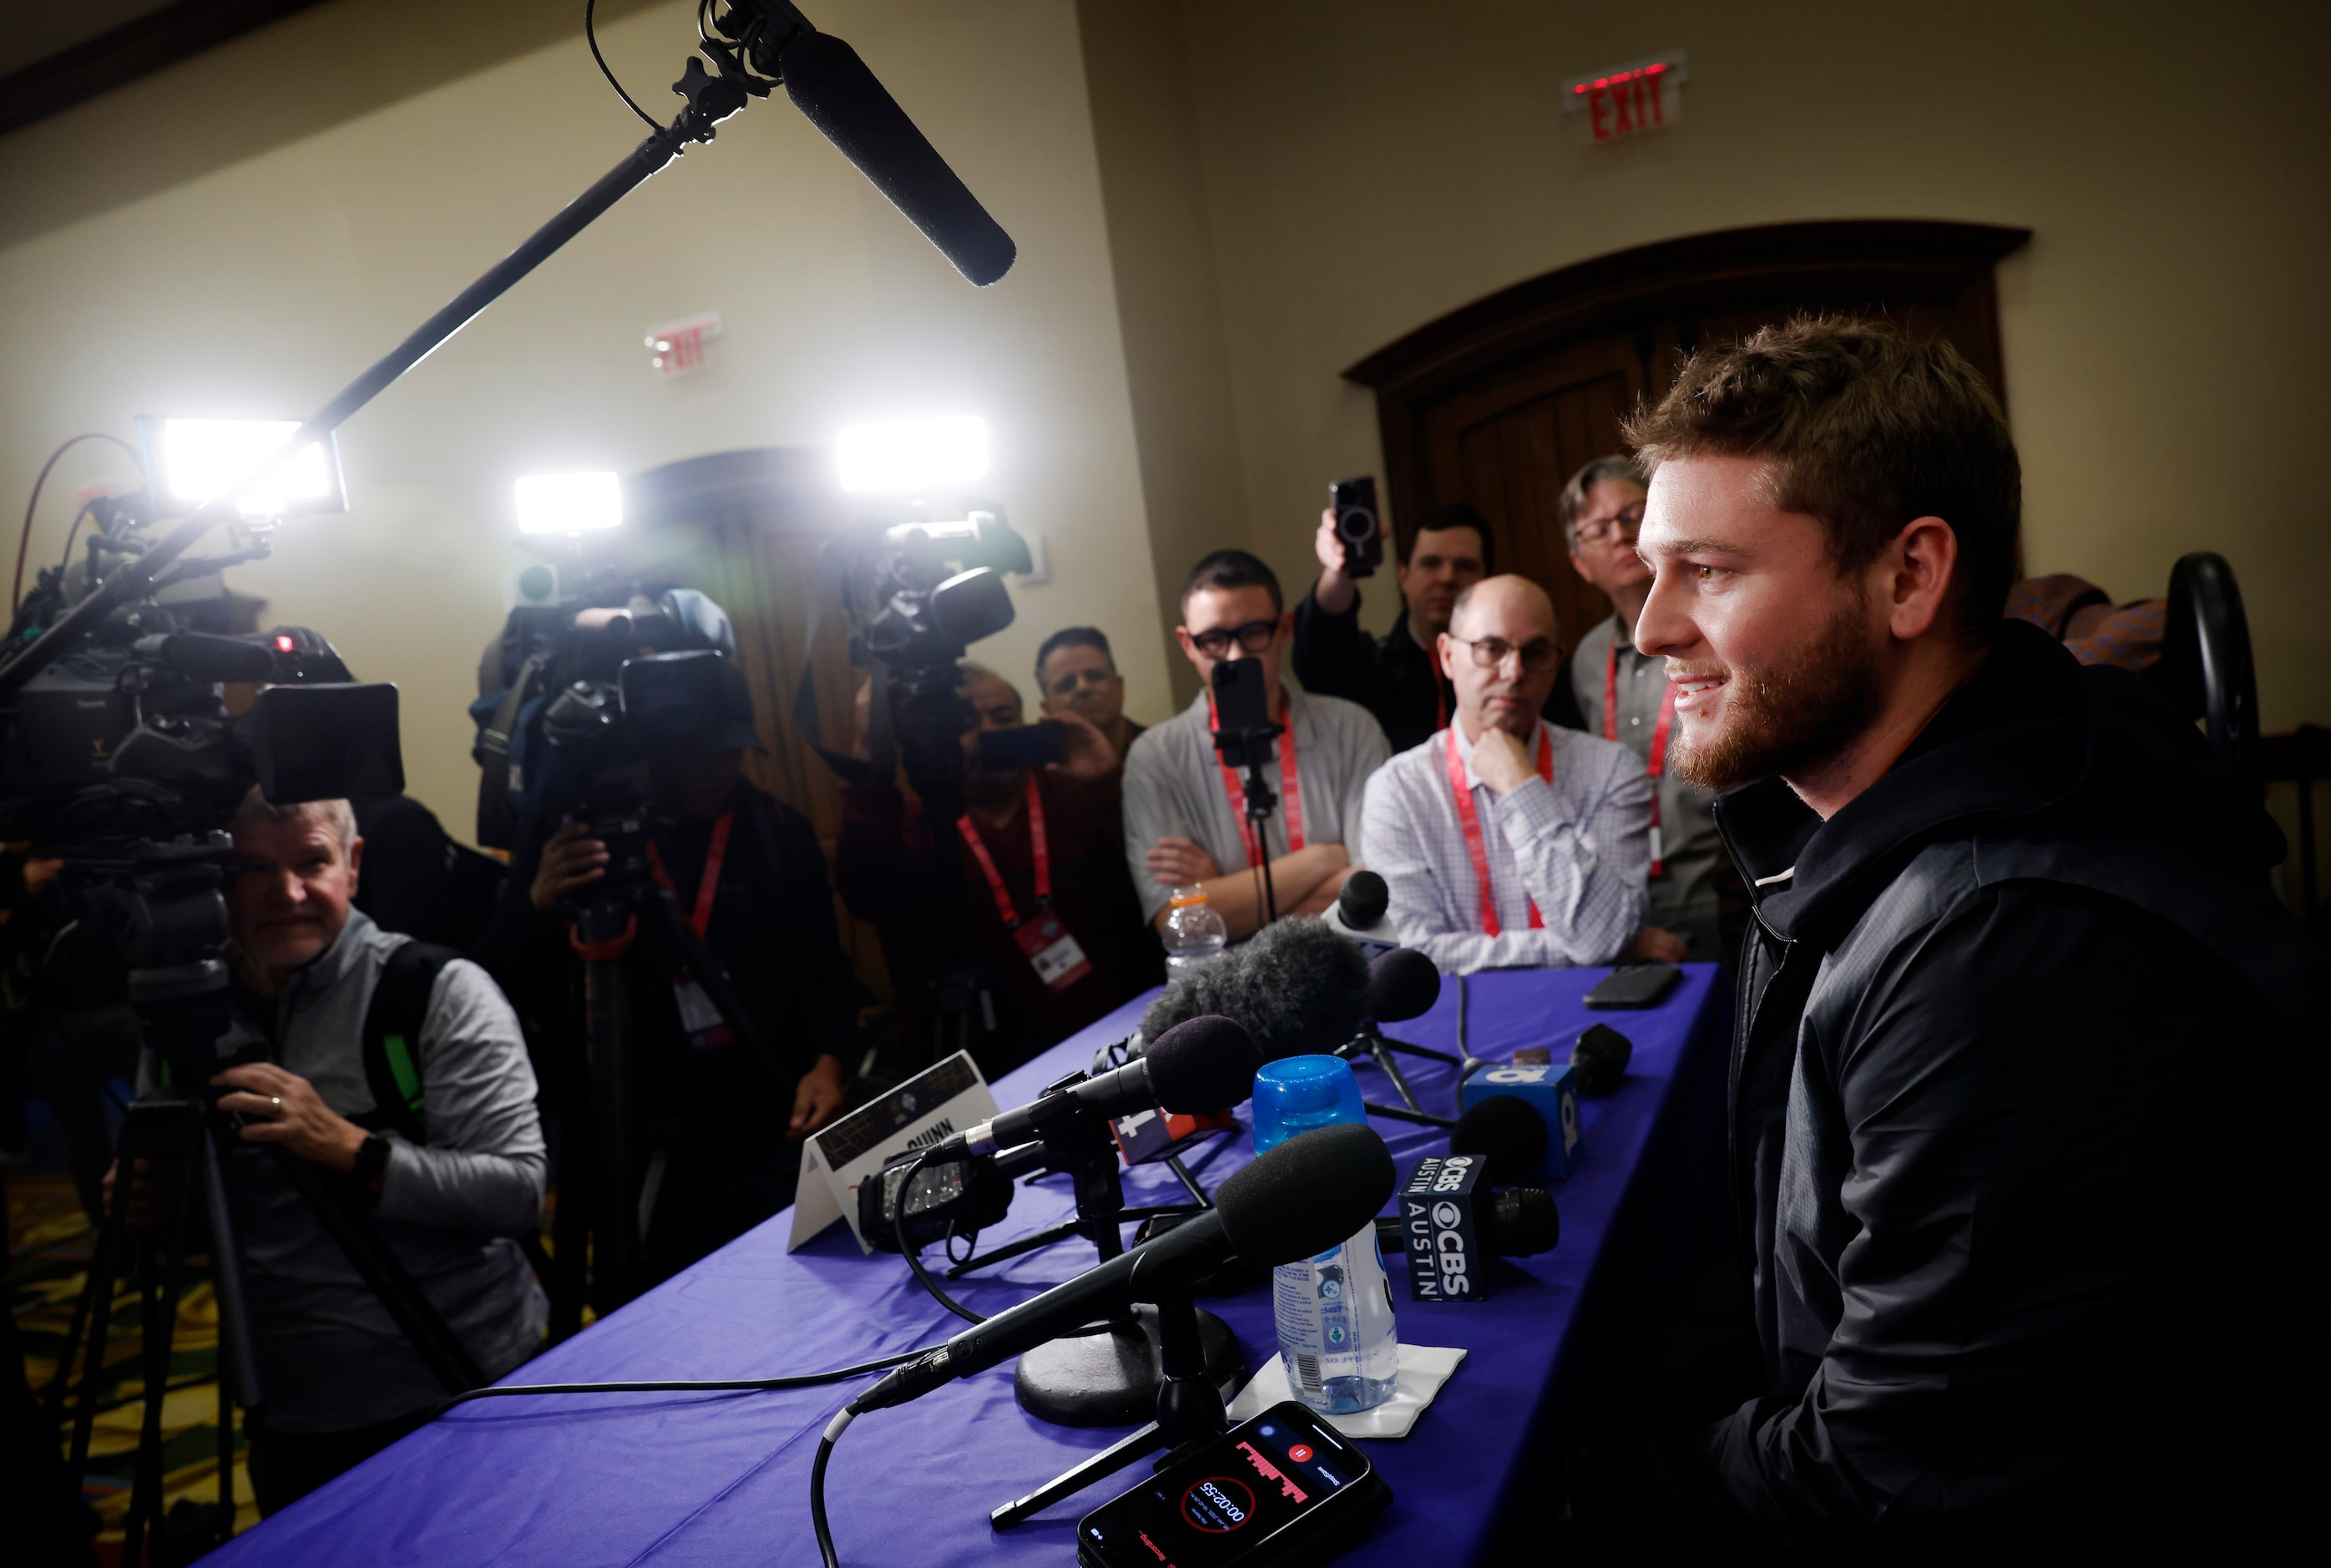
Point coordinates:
[(1501, 762)]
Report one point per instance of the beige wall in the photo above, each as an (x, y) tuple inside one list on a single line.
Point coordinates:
[(1368, 164), (261, 269)]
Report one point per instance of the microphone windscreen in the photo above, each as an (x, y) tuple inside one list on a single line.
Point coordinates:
[(1298, 985), (207, 656), (1600, 1057), (1401, 983), (1364, 899), (1206, 1064), (1506, 1131), (1527, 1224), (833, 88), (1313, 1192)]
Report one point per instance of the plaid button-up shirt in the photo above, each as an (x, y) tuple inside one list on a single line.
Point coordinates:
[(1579, 846)]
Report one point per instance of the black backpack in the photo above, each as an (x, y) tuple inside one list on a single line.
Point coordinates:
[(392, 1039)]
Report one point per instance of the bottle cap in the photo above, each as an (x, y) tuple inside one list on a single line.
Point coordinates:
[(1191, 895), (1297, 1093)]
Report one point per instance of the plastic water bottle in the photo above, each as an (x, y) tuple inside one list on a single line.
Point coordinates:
[(1335, 1316), (1194, 935)]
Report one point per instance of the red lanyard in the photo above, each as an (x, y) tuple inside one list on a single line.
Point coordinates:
[(1289, 783), (1658, 764), (978, 848), (1471, 821), (708, 884)]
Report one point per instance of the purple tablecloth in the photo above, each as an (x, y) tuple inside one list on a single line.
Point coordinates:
[(638, 1478)]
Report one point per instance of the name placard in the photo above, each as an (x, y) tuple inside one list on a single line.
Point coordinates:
[(937, 1102)]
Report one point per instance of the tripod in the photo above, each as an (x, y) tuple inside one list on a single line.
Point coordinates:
[(605, 1215), (1189, 1411), (167, 895), (1377, 1047)]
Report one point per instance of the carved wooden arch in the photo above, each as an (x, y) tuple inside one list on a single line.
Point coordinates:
[(1629, 316)]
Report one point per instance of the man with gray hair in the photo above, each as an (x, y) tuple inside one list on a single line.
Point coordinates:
[(440, 1143), (1622, 694)]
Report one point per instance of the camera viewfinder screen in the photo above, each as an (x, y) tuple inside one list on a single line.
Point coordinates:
[(1215, 1508)]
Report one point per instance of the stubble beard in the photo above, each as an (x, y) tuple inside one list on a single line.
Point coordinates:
[(1792, 716)]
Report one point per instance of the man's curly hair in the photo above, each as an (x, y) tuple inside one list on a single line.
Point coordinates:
[(1866, 430)]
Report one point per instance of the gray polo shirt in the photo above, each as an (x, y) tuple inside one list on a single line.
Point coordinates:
[(1174, 786), (1683, 896), (329, 1356)]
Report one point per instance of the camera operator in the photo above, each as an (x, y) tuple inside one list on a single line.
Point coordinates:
[(1041, 841), (1397, 676), (342, 1380), (748, 877)]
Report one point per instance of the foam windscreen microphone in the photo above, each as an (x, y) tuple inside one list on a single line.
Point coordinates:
[(1524, 1117), (835, 91), (1204, 1064), (1600, 1057), (1298, 987), (1403, 984), (1311, 1192), (1364, 899)]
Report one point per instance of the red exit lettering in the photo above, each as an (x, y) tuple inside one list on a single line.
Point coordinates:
[(1630, 100)]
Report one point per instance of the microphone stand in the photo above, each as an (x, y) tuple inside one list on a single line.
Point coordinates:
[(1190, 1410), (1250, 748), (1373, 1043)]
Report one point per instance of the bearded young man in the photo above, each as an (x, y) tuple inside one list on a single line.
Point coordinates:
[(2026, 1051)]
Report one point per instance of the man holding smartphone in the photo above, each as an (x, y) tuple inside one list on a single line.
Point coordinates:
[(1050, 929), (1184, 807)]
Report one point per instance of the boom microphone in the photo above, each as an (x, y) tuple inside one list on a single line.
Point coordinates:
[(1202, 1065), (831, 87), (1297, 986), (1311, 1192)]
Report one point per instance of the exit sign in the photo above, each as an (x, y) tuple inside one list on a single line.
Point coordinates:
[(1627, 100)]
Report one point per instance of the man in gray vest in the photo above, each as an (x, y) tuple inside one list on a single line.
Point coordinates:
[(1623, 695), (452, 1182)]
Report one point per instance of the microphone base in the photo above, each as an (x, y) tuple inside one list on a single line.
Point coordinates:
[(1111, 1380)]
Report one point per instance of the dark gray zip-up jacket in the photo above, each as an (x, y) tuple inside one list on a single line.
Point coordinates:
[(2023, 1094)]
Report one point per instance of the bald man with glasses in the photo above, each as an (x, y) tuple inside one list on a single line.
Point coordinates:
[(1508, 843)]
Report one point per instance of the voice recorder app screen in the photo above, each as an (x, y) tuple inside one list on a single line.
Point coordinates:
[(1211, 1510)]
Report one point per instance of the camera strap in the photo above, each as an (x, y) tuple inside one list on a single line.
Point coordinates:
[(1059, 960), (706, 1028), (1470, 818), (1656, 764), (1290, 785), (393, 1017)]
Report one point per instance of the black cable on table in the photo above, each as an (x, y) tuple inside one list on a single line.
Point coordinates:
[(913, 1255), (721, 1385), (834, 1430)]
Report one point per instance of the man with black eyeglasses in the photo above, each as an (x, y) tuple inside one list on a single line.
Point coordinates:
[(1185, 821), (1623, 695), (1507, 841)]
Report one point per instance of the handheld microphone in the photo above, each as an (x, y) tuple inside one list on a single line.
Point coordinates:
[(1311, 1192), (1600, 1057), (1297, 985), (1450, 1224), (1201, 1065), (1403, 984), (1359, 913), (835, 91), (1523, 1119)]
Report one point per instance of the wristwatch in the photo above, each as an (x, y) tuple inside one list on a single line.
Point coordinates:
[(372, 1159)]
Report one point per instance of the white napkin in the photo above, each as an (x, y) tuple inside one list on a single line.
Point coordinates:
[(1423, 1368)]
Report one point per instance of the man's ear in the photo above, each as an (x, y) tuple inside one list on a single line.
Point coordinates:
[(1579, 566), (1919, 567), (356, 860), (1441, 646), (1189, 649)]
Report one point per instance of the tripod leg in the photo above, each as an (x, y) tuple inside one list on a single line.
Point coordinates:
[(159, 1326), (1146, 1440), (1412, 1049), (1392, 1071), (104, 1270), (615, 1251)]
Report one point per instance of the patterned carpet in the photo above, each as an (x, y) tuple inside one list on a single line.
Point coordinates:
[(50, 1244)]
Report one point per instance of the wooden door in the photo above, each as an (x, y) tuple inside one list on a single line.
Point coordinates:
[(1497, 404)]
